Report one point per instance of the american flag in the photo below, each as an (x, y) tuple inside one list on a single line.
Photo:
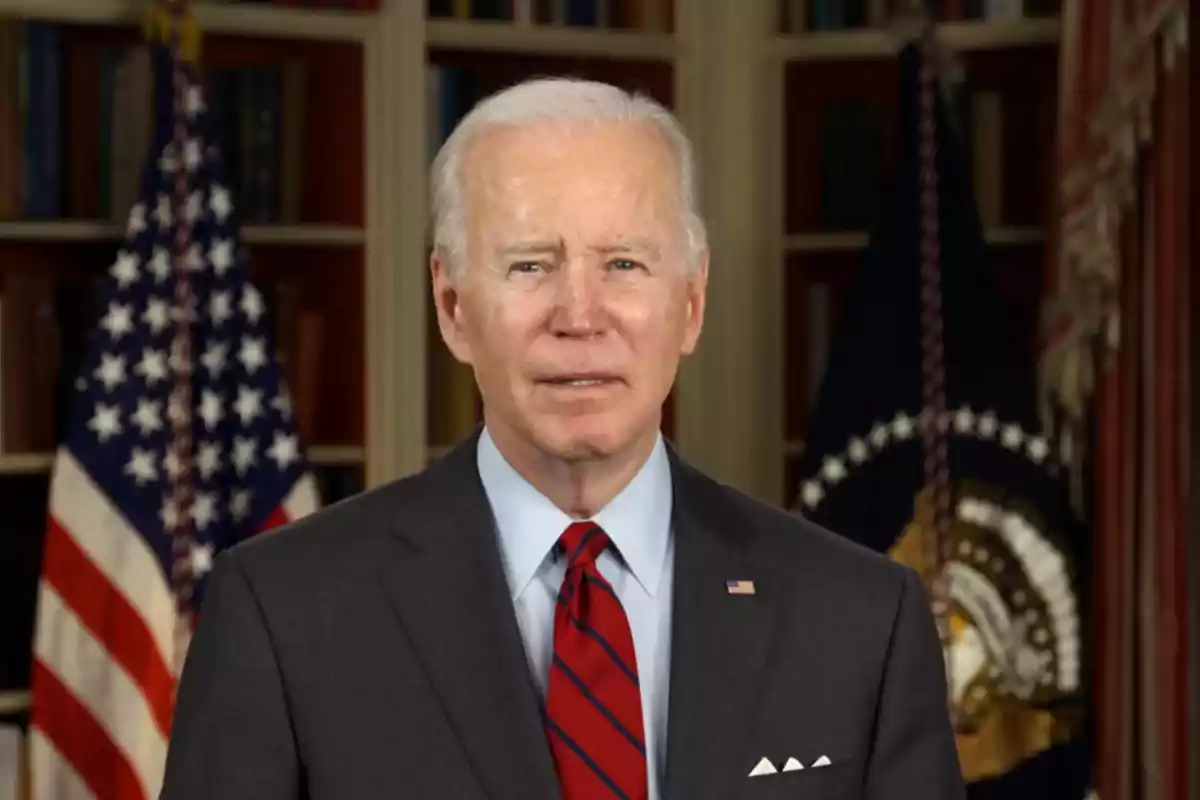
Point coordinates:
[(181, 443)]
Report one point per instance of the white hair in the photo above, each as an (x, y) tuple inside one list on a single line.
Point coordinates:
[(565, 100)]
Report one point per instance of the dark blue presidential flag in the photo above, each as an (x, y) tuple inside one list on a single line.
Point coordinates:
[(925, 444)]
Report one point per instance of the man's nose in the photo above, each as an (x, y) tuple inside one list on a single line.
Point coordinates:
[(578, 302)]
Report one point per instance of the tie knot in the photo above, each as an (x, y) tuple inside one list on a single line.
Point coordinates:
[(583, 542)]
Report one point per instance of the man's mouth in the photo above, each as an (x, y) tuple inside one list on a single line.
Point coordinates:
[(581, 380)]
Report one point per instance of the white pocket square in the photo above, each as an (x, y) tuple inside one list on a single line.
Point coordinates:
[(764, 767)]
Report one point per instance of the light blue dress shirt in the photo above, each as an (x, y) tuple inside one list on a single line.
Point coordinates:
[(638, 522)]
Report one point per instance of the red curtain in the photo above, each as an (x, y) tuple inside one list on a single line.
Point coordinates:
[(1116, 370)]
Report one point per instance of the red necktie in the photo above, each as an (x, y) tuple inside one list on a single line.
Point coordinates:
[(593, 703)]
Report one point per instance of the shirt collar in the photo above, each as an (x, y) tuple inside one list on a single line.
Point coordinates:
[(637, 520)]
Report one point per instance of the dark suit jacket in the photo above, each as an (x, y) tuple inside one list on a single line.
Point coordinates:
[(371, 651)]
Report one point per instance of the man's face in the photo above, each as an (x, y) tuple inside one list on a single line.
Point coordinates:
[(573, 303)]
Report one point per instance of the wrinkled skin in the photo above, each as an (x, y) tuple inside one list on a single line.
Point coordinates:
[(574, 302)]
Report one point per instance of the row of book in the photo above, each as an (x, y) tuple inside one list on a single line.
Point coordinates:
[(831, 15), (638, 15), (77, 128)]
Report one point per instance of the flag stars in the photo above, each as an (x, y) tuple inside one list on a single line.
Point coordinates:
[(125, 269), (221, 256), (248, 404), (212, 410), (118, 321), (204, 510), (148, 416), (253, 353), (152, 367), (220, 307), (167, 162), (193, 101), (284, 450), (964, 422), (858, 451), (219, 202), (137, 221), (162, 212), (252, 303), (834, 470), (239, 504), (141, 466), (214, 358), (988, 425), (157, 315), (160, 264), (201, 560), (1012, 437), (208, 459), (105, 422), (193, 155), (245, 454), (111, 371)]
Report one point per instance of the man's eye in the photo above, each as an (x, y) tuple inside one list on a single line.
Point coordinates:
[(525, 266), (624, 264)]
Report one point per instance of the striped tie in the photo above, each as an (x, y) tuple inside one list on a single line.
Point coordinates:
[(593, 704)]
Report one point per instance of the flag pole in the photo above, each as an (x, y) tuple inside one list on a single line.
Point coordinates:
[(933, 511), (170, 22)]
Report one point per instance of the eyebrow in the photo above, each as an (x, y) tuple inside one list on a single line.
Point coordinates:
[(628, 246), (531, 248), (637, 244)]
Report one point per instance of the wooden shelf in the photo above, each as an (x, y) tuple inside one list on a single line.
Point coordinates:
[(319, 455), (877, 43), (14, 702), (543, 40), (337, 455), (250, 20), (99, 231), (25, 463), (856, 240)]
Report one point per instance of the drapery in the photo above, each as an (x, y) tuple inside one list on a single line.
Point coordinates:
[(1116, 373)]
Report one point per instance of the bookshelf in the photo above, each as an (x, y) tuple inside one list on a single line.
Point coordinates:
[(353, 248), (724, 70), (839, 84)]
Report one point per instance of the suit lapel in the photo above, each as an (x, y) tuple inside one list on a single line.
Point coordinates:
[(719, 642), (448, 589)]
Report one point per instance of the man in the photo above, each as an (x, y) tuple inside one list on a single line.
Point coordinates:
[(562, 607)]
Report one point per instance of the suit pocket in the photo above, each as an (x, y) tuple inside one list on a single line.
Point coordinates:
[(819, 783)]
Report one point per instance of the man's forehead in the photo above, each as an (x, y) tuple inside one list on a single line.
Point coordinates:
[(511, 147)]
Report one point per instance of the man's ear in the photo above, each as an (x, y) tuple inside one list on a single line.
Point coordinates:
[(697, 295), (447, 303)]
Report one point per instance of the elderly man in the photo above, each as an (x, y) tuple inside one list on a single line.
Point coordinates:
[(562, 607)]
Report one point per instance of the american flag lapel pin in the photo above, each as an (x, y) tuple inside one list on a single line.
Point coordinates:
[(739, 587)]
